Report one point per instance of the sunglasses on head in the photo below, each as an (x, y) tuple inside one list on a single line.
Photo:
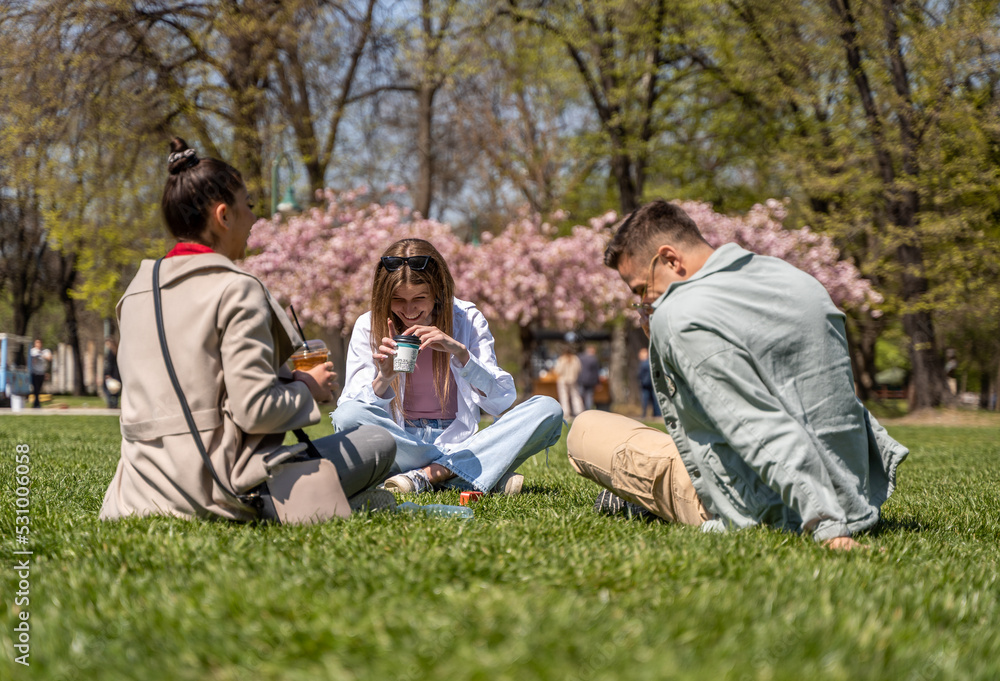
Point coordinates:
[(415, 262)]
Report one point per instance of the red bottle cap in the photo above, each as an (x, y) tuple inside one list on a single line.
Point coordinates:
[(466, 498)]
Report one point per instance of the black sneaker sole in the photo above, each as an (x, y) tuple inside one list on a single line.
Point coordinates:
[(610, 504)]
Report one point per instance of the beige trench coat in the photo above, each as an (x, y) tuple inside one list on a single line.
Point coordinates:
[(228, 339)]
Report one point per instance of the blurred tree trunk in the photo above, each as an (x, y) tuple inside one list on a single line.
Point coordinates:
[(898, 170), (526, 378), (437, 61), (423, 191), (23, 258), (618, 372), (315, 87), (67, 280), (996, 389), (862, 333)]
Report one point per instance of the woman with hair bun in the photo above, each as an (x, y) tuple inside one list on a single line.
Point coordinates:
[(433, 413), (228, 341)]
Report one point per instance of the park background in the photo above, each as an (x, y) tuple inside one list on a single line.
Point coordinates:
[(859, 140), (873, 125)]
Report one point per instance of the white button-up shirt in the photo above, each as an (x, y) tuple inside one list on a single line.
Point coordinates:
[(482, 385)]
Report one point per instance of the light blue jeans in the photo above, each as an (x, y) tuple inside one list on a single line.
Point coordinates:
[(479, 462)]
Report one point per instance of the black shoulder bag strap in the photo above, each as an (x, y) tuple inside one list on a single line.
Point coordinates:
[(247, 500), (301, 436)]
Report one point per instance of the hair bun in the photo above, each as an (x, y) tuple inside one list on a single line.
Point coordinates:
[(182, 160)]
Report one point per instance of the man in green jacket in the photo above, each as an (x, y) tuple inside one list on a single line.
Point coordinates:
[(751, 369)]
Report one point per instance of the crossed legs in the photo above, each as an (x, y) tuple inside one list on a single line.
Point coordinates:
[(638, 463)]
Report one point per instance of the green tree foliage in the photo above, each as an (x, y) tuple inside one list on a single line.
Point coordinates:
[(208, 64), (27, 127), (75, 172), (248, 78), (321, 51), (95, 183), (624, 53), (886, 110), (878, 119), (90, 123), (534, 132)]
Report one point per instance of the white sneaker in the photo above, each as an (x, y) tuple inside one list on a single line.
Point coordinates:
[(510, 483), (411, 482)]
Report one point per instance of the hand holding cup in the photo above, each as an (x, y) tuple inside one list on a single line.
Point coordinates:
[(321, 379), (385, 354), (433, 338), (311, 366)]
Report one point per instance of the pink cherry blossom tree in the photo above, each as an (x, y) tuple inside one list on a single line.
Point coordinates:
[(527, 276), (762, 231), (322, 263), (323, 260)]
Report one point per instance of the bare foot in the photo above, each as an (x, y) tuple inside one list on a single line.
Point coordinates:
[(843, 544), (437, 473)]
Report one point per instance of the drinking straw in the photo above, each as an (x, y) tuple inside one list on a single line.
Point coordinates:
[(299, 326)]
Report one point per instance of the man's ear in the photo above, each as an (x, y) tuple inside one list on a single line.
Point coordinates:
[(670, 256)]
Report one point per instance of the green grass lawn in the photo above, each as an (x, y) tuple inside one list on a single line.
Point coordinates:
[(535, 587)]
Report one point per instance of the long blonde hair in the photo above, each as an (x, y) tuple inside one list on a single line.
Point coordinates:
[(437, 277)]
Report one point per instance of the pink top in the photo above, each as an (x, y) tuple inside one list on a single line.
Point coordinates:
[(420, 401)]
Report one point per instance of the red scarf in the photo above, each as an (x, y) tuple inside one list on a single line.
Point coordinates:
[(188, 248)]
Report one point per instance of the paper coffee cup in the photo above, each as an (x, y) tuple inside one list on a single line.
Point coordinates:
[(313, 353), (405, 360)]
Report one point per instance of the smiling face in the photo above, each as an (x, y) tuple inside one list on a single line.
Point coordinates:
[(640, 281), (413, 305), (639, 277)]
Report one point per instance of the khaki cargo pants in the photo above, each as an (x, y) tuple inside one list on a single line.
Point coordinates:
[(638, 463)]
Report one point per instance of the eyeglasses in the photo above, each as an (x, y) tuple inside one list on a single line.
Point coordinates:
[(643, 308), (415, 262)]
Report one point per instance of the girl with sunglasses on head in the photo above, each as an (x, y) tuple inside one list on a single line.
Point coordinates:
[(433, 413)]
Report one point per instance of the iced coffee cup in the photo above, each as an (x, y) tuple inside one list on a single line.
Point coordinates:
[(405, 360), (313, 353)]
